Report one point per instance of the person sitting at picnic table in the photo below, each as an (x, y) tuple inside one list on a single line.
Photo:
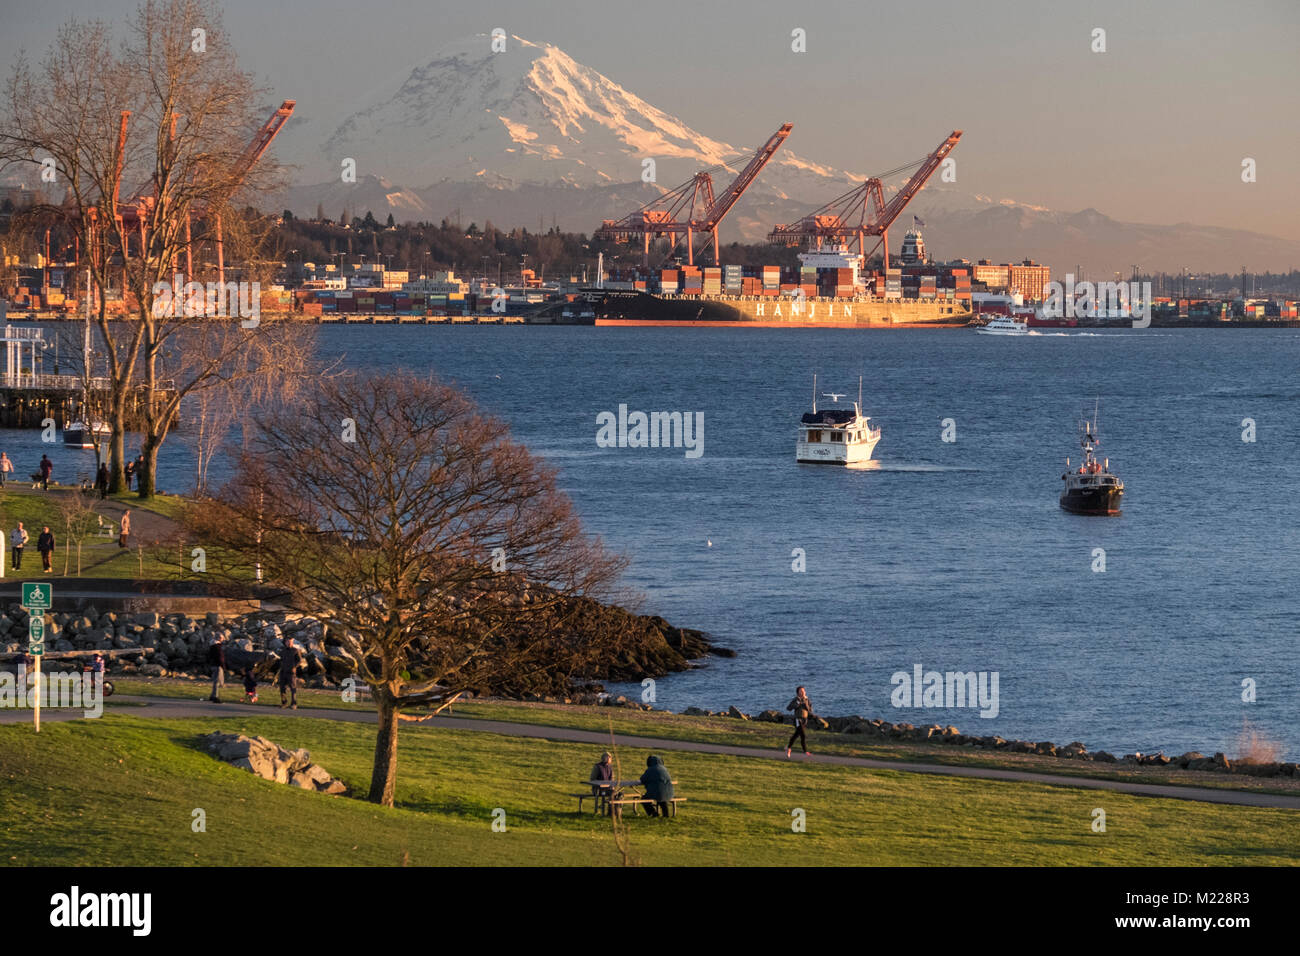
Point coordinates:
[(604, 771), (658, 784)]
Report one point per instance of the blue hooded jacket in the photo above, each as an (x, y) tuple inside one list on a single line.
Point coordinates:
[(657, 781)]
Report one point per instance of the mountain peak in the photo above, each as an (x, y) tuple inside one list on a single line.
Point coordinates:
[(529, 114), (531, 133)]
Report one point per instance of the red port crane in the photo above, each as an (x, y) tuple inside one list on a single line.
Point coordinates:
[(133, 212), (252, 153), (690, 208), (862, 211), (136, 209)]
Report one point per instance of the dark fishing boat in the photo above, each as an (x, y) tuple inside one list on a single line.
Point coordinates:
[(1091, 489)]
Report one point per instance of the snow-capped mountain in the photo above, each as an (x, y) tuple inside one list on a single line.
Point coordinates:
[(529, 135), (530, 115)]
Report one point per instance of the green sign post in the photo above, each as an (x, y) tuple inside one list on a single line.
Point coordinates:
[(37, 599)]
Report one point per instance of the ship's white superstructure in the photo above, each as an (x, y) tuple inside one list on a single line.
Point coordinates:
[(838, 435)]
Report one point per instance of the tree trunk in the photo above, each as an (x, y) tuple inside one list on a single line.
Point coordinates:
[(116, 402), (384, 775), (117, 456), (145, 480)]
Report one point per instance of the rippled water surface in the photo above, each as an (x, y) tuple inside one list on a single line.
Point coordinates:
[(954, 555)]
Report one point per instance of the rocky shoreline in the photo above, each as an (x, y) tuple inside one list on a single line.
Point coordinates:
[(176, 645)]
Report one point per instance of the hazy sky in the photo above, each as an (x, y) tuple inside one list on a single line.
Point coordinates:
[(1153, 130)]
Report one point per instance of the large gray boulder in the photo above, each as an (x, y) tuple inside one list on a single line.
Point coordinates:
[(271, 762)]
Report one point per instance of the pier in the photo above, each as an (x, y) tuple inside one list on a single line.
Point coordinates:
[(28, 397)]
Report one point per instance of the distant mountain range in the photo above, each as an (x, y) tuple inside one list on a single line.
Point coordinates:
[(530, 136)]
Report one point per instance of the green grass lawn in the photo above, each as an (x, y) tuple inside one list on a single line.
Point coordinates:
[(726, 730), (101, 557), (122, 790)]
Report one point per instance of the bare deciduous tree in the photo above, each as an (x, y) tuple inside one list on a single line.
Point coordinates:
[(200, 110), (140, 205), (220, 373), (438, 550), (80, 521), (62, 119)]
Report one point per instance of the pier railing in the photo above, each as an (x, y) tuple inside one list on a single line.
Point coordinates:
[(53, 383)]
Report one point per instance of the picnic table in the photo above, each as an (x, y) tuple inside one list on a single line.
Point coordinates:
[(611, 796)]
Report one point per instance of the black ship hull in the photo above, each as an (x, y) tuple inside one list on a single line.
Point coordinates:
[(1092, 501)]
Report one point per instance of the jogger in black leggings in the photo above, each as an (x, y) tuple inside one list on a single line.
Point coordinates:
[(798, 732), (802, 708)]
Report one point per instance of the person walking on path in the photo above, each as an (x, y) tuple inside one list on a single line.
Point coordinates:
[(125, 530), (47, 469), (17, 541), (802, 708), (217, 661), (289, 661), (250, 686), (45, 545), (101, 480), (6, 466)]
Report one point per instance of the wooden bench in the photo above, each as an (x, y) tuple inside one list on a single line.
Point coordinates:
[(596, 797), (600, 799), (616, 806)]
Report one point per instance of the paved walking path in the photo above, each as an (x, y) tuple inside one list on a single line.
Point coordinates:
[(164, 708)]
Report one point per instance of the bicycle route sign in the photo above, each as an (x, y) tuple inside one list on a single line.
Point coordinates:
[(37, 596), (36, 635)]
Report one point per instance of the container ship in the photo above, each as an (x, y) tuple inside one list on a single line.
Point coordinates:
[(828, 290)]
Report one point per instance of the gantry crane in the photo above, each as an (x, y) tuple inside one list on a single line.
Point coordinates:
[(134, 212), (862, 211), (252, 153), (693, 201)]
